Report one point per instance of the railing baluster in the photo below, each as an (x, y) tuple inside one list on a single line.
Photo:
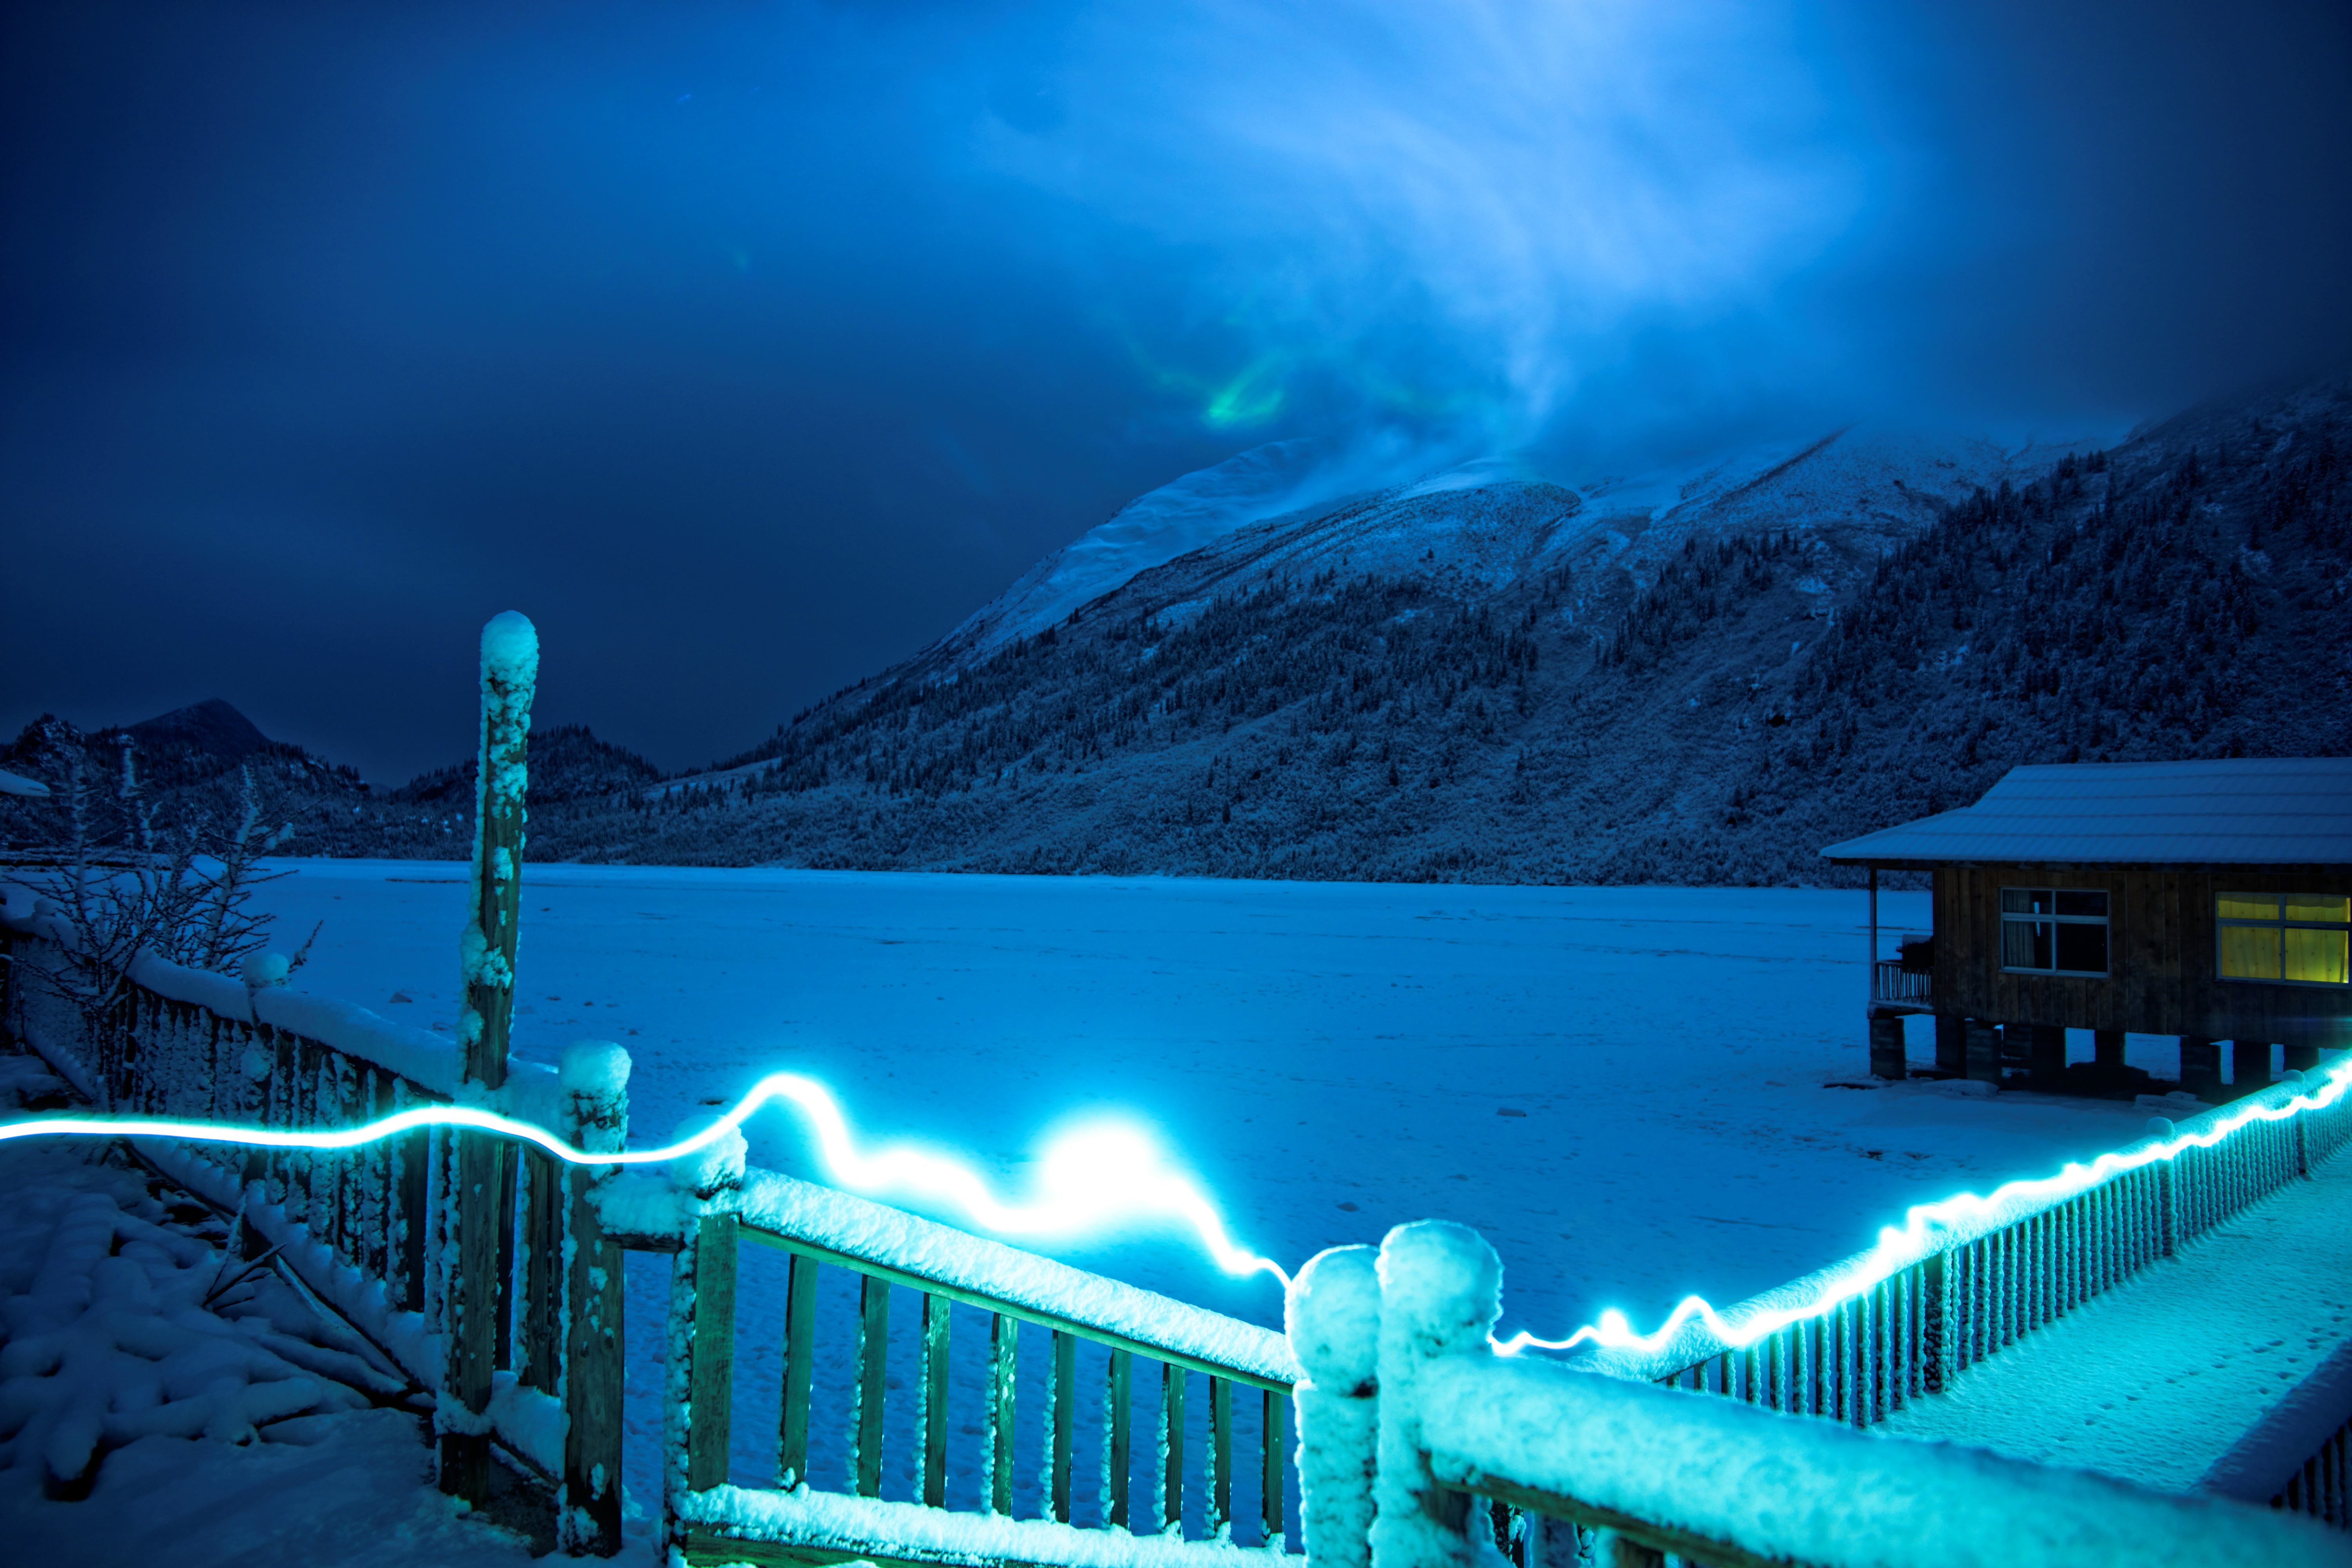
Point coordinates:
[(711, 1375), (1004, 1352), (873, 1358), (1221, 1457), (800, 1371), (1172, 1449), (1061, 1401), (1118, 1455), (1270, 1477), (936, 1310)]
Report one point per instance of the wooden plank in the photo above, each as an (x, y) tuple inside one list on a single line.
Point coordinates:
[(590, 1513), (473, 1309), (1043, 1320), (502, 1290), (1172, 1449), (542, 1258), (710, 1385), (1221, 1457), (408, 1227), (800, 1372), (1061, 1383), (936, 1310), (708, 1548), (873, 1363), (1119, 1462), (1273, 1444), (1004, 1356)]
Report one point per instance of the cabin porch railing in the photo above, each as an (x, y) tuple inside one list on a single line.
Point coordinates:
[(1894, 985)]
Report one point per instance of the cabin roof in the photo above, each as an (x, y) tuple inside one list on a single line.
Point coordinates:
[(2250, 811)]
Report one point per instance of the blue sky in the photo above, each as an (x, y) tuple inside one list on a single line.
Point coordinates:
[(748, 347)]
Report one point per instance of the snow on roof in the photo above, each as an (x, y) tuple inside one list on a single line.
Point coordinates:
[(2254, 811)]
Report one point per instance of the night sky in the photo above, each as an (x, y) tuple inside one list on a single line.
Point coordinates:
[(748, 347)]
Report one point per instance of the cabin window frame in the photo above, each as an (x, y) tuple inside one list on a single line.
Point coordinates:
[(2280, 922), (2050, 916)]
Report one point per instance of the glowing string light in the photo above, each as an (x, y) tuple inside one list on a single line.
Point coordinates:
[(1900, 1249), (1087, 1177)]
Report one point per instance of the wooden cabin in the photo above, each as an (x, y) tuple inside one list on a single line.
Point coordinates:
[(2211, 900)]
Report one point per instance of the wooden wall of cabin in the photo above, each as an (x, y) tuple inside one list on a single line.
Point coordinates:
[(2161, 958)]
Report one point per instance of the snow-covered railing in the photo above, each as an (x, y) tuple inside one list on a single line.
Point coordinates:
[(371, 1230), (1909, 1317), (706, 1215), (1408, 1416)]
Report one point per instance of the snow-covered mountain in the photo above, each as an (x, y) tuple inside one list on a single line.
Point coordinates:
[(1700, 673), (1297, 664), (1304, 506)]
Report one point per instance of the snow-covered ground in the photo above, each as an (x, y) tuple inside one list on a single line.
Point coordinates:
[(1624, 1088)]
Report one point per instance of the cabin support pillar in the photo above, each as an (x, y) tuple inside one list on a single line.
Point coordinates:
[(2108, 1048), (2302, 1059), (1951, 1044), (2200, 1067), (1983, 1050), (2250, 1067), (1887, 1059), (2046, 1050)]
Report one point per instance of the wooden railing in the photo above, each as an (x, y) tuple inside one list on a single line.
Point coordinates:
[(1009, 1296), (369, 1230), (1893, 983), (1975, 1287), (1625, 1472)]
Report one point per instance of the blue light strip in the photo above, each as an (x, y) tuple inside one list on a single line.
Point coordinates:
[(1089, 1177)]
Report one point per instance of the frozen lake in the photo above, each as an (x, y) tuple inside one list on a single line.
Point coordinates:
[(1331, 1059)]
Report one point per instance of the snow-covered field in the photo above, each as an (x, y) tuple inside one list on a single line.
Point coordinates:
[(1624, 1088)]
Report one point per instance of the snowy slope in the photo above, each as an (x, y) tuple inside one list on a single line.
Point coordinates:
[(1197, 510), (1316, 500)]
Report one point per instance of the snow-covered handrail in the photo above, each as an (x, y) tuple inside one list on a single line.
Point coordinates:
[(1666, 1471), (710, 1210), (1858, 1340)]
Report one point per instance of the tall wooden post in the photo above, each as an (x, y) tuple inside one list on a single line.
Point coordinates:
[(509, 670)]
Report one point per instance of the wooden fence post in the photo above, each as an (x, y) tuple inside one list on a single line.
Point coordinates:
[(596, 1082), (1440, 1291), (510, 668), (697, 1419)]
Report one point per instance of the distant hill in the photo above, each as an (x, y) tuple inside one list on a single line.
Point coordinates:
[(192, 762)]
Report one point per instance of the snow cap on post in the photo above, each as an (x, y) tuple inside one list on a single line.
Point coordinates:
[(594, 1078), (1441, 1288), (1332, 1315), (266, 970)]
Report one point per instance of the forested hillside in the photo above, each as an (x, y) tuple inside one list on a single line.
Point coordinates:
[(1467, 687)]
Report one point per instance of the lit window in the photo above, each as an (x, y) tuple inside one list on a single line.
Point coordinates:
[(2053, 931), (2297, 938)]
